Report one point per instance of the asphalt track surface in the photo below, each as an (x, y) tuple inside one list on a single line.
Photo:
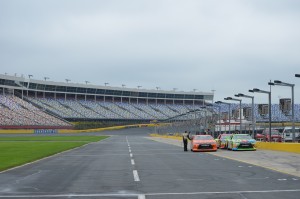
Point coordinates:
[(128, 165)]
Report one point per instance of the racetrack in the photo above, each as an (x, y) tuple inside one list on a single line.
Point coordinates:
[(128, 165)]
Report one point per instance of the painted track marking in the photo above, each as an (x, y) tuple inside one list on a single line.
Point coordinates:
[(136, 176), (132, 162), (141, 196)]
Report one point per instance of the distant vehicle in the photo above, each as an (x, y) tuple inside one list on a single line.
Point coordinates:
[(287, 134), (241, 142), (203, 143), (222, 140), (265, 136)]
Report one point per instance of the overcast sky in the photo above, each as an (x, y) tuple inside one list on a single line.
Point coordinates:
[(225, 45)]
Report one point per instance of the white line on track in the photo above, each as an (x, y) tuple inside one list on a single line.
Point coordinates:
[(129, 150), (131, 155), (136, 176), (132, 162), (140, 196)]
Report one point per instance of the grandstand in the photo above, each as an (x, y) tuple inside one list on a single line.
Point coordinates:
[(44, 104), (22, 99)]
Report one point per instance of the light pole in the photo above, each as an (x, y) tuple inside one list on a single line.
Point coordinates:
[(157, 88), (106, 83), (239, 100), (86, 82), (256, 90), (123, 85), (229, 107), (29, 76), (219, 118), (139, 87), (67, 80), (280, 83), (45, 78), (252, 114)]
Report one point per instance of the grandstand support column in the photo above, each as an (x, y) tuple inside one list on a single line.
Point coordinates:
[(95, 98)]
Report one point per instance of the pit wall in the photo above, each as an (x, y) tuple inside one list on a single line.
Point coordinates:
[(274, 146), (278, 146)]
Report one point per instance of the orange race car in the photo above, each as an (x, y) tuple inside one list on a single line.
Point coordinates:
[(203, 143)]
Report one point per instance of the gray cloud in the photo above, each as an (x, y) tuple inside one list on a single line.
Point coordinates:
[(230, 46)]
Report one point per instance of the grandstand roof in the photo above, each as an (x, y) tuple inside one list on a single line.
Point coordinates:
[(16, 82)]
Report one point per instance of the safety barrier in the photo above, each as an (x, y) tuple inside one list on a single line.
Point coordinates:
[(277, 146)]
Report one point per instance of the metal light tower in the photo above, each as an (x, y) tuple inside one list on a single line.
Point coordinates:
[(239, 100), (252, 114), (280, 83), (219, 107), (229, 107), (256, 90)]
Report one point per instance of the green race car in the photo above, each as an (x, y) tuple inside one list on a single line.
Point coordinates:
[(241, 142)]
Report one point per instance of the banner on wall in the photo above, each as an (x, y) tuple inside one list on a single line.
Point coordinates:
[(45, 131)]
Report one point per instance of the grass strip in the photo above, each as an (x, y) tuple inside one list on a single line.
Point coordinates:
[(17, 153)]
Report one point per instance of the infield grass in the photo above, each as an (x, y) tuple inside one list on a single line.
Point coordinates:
[(15, 151)]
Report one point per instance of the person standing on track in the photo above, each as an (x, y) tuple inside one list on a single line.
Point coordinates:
[(185, 137)]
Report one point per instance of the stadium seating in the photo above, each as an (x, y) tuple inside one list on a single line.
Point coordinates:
[(31, 111), (16, 112)]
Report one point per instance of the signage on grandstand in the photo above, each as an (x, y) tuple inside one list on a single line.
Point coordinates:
[(45, 131), (236, 113), (247, 112), (285, 105), (263, 109)]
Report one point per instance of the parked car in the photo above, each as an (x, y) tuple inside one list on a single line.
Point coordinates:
[(275, 135), (287, 134)]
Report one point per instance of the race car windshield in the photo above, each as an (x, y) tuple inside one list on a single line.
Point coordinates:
[(208, 137), (225, 136), (242, 137)]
